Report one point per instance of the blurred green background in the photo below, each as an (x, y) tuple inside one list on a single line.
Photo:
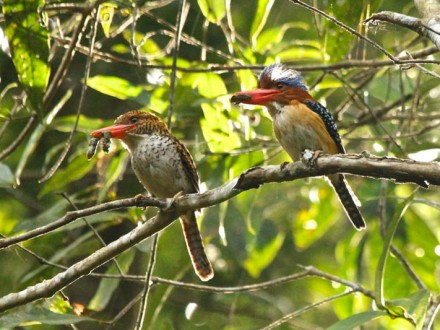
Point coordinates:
[(260, 235)]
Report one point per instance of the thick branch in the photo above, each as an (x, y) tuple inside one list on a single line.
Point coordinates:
[(399, 170), (48, 288), (387, 168)]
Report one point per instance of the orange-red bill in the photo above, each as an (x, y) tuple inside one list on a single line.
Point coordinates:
[(117, 131), (256, 96)]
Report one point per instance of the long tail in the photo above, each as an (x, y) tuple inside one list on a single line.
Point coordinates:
[(196, 250), (348, 200)]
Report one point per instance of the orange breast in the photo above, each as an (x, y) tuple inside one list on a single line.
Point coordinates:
[(298, 128)]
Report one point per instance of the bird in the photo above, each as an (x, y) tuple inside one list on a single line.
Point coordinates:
[(301, 123), (165, 168)]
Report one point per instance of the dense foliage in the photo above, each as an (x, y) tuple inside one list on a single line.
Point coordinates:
[(124, 60)]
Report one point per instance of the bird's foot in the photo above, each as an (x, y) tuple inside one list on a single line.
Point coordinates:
[(310, 157), (283, 165), (170, 202)]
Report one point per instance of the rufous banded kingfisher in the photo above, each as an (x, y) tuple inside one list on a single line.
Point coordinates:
[(301, 123), (164, 166)]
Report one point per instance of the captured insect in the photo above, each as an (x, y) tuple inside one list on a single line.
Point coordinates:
[(93, 144)]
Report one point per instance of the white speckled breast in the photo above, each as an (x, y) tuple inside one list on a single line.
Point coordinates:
[(157, 164)]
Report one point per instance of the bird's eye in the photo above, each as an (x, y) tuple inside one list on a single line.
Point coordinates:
[(134, 120), (279, 85)]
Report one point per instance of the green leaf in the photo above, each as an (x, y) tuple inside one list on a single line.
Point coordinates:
[(29, 43), (107, 286), (415, 305), (75, 170), (37, 135), (356, 320), (380, 271), (35, 315), (263, 10), (105, 16), (210, 85), (6, 176), (85, 124), (263, 249), (217, 131), (114, 86), (213, 10)]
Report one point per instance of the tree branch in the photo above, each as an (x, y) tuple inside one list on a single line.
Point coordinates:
[(399, 170)]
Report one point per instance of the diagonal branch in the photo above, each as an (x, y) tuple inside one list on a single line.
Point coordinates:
[(399, 170)]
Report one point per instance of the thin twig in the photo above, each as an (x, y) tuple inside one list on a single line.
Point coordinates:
[(68, 143), (147, 285), (179, 25), (304, 309), (349, 29)]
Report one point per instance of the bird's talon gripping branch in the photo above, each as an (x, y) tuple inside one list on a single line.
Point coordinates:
[(283, 165)]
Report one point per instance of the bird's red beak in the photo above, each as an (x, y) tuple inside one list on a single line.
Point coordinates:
[(256, 96), (117, 131)]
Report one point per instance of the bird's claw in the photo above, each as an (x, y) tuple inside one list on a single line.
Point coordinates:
[(310, 157), (283, 165)]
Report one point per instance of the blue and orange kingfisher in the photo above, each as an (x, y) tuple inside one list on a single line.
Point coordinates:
[(301, 123)]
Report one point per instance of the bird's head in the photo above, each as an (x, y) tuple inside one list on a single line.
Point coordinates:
[(277, 86), (133, 122)]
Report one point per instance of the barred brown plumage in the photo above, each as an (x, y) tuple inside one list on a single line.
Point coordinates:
[(165, 168)]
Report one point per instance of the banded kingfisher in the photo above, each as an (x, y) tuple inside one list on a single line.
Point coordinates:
[(164, 166), (301, 123)]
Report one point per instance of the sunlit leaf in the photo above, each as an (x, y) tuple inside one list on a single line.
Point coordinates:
[(213, 10), (29, 44), (114, 86), (105, 16), (260, 18), (210, 85), (217, 130)]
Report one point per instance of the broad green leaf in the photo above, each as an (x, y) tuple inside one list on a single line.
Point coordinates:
[(29, 43), (247, 79), (263, 11), (263, 249), (114, 86), (37, 134), (213, 10), (6, 176), (107, 286), (273, 36), (217, 130), (210, 85), (105, 16), (416, 305), (380, 270), (299, 53), (37, 315), (356, 320), (85, 124), (75, 170)]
